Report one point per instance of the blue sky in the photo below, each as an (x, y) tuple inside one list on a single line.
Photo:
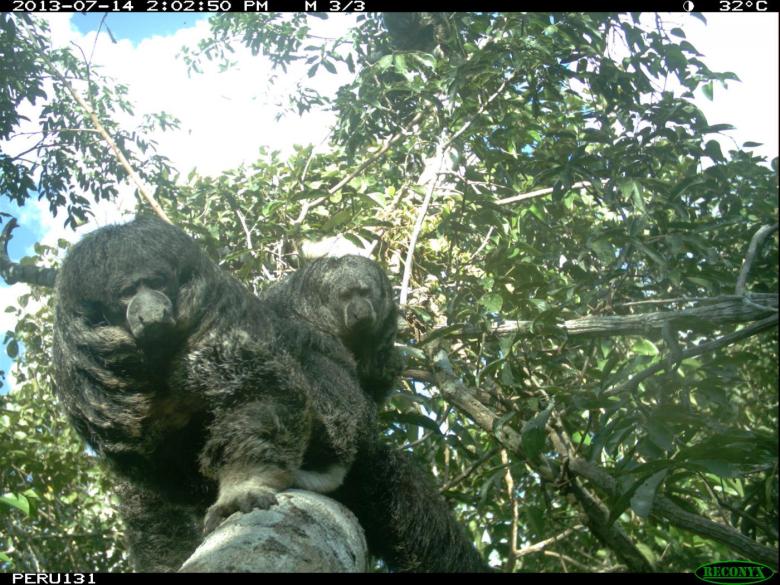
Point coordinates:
[(136, 26)]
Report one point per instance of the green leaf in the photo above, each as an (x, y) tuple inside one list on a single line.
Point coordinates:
[(399, 63), (437, 333), (644, 347), (715, 467), (17, 501), (659, 434), (417, 420), (384, 63), (493, 302), (706, 284), (708, 90), (337, 220), (718, 128), (712, 148), (642, 500), (625, 499), (633, 190), (533, 434)]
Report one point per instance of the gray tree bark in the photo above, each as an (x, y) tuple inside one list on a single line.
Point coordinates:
[(304, 533)]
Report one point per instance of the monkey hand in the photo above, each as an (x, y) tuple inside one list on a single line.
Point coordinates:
[(243, 490)]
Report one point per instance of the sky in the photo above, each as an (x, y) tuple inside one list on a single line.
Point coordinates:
[(226, 117)]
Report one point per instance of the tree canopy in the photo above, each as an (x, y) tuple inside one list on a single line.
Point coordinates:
[(588, 282)]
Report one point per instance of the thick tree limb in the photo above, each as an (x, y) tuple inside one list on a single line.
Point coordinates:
[(612, 535), (705, 317), (13, 272), (304, 533), (458, 394)]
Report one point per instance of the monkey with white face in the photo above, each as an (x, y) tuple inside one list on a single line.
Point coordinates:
[(351, 298), (407, 522)]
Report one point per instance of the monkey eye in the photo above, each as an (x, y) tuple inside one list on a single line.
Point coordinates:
[(94, 314), (363, 291)]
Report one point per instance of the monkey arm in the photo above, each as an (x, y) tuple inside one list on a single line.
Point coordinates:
[(253, 451), (378, 371), (261, 421)]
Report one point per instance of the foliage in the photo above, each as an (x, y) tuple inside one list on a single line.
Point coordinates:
[(65, 158), (55, 514), (642, 205)]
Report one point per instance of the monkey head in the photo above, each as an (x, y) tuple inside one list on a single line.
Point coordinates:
[(350, 297), (121, 298)]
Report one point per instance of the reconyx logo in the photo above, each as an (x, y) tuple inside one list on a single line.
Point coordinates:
[(734, 572)]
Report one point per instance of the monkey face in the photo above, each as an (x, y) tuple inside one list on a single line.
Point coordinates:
[(138, 302), (357, 307), (135, 286), (356, 296)]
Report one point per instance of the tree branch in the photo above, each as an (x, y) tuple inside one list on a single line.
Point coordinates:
[(13, 272), (460, 396), (307, 205), (755, 243), (543, 544), (665, 508), (104, 134), (242, 220), (479, 112), (537, 193), (305, 532), (723, 341), (729, 309), (612, 535), (438, 160)]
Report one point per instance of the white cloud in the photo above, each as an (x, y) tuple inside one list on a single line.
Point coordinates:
[(745, 44), (225, 117)]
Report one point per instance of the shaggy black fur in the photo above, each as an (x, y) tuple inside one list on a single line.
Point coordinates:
[(201, 398), (407, 523)]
